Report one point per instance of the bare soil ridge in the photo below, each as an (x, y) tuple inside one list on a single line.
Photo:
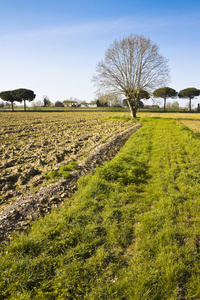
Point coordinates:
[(26, 208)]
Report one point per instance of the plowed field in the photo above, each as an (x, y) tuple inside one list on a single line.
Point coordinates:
[(33, 143)]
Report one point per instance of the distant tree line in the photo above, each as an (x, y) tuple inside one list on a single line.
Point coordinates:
[(110, 99)]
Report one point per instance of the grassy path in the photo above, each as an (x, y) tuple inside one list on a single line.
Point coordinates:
[(167, 235), (131, 232)]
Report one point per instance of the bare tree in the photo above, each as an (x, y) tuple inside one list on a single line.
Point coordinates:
[(46, 101), (111, 99), (131, 65)]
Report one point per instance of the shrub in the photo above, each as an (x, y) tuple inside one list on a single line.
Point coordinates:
[(59, 104)]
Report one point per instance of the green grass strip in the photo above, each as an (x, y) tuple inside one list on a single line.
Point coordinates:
[(132, 231)]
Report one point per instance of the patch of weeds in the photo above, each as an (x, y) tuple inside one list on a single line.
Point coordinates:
[(52, 174), (62, 172), (103, 141)]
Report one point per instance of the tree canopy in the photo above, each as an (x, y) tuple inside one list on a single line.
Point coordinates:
[(130, 65), (165, 92), (189, 93), (136, 96), (10, 97), (23, 95)]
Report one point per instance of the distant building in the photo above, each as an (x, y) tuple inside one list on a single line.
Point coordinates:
[(85, 104), (92, 104), (70, 103)]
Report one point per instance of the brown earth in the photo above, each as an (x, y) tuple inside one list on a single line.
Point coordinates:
[(33, 143), (91, 140)]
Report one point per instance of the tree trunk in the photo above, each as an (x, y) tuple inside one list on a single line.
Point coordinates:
[(190, 106), (24, 105), (133, 110), (12, 106), (164, 104)]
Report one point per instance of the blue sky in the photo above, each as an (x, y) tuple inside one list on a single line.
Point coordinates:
[(53, 47)]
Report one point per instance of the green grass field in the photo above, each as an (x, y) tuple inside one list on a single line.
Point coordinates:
[(132, 230)]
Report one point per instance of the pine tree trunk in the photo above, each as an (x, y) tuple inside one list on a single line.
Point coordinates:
[(24, 105), (164, 104), (12, 106), (190, 106)]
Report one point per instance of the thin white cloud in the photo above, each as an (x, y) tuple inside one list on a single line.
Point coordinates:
[(80, 29), (131, 23)]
